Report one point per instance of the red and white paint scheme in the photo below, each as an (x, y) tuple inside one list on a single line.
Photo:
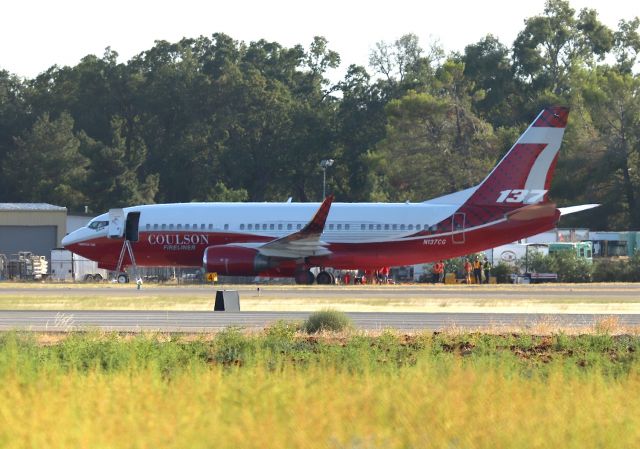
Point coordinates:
[(287, 239)]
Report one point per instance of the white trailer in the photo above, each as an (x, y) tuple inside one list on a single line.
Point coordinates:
[(515, 253), (67, 266)]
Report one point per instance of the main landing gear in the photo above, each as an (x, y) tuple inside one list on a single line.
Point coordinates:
[(325, 278), (306, 277)]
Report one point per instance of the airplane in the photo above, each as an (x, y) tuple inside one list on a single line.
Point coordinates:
[(288, 239)]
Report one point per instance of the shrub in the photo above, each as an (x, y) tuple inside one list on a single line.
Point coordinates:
[(327, 320), (607, 270), (502, 272), (570, 267), (567, 264), (232, 347), (280, 336)]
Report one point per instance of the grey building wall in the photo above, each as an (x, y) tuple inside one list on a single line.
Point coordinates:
[(34, 227), (39, 240)]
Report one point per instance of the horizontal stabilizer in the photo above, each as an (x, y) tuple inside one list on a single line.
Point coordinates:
[(574, 209), (532, 212)]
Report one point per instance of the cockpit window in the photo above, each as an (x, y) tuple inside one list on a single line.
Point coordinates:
[(97, 225)]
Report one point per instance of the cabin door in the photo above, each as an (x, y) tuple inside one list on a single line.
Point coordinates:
[(458, 224), (131, 232)]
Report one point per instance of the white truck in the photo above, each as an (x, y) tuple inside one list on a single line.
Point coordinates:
[(67, 266)]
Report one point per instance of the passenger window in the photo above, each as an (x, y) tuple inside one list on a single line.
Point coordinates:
[(272, 226), (402, 227), (155, 226), (179, 227), (195, 226), (186, 226), (379, 227), (264, 227), (289, 227), (418, 226), (370, 227), (202, 226), (410, 227), (164, 226), (346, 227), (362, 227), (279, 226), (148, 226), (299, 226), (331, 227), (171, 226), (250, 226), (211, 226), (257, 227), (242, 227), (386, 227), (395, 227), (226, 227), (339, 227)]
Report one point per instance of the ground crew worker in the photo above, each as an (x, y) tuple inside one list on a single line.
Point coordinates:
[(486, 265), (467, 270), (477, 270), (440, 271)]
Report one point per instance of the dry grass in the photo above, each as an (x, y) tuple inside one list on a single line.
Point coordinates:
[(323, 391), (549, 299)]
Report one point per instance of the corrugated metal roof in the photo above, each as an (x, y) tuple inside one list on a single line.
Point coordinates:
[(30, 207)]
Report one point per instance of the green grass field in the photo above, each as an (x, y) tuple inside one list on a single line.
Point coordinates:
[(284, 389)]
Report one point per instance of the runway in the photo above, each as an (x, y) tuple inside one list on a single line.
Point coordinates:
[(201, 322)]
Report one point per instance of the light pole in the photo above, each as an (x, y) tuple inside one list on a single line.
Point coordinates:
[(325, 163)]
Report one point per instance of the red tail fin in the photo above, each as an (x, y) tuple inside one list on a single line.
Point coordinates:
[(524, 175)]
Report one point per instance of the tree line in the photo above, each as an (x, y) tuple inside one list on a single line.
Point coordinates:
[(216, 119)]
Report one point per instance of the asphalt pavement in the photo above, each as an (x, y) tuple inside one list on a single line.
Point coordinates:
[(180, 321)]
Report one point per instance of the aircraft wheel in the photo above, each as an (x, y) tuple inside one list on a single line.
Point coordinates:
[(97, 277), (324, 278), (304, 277), (122, 278)]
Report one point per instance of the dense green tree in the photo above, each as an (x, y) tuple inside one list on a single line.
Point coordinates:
[(550, 44), (361, 121), (488, 66), (433, 146), (613, 102), (13, 120), (627, 44), (46, 164), (113, 179)]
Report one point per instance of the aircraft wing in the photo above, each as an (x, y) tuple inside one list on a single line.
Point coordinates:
[(305, 242)]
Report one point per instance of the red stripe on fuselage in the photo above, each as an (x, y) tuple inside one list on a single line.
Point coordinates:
[(160, 248)]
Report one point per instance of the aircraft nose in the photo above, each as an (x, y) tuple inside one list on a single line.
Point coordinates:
[(67, 240), (73, 237)]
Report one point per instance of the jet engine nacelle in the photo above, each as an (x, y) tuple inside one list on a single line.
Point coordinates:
[(230, 260)]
